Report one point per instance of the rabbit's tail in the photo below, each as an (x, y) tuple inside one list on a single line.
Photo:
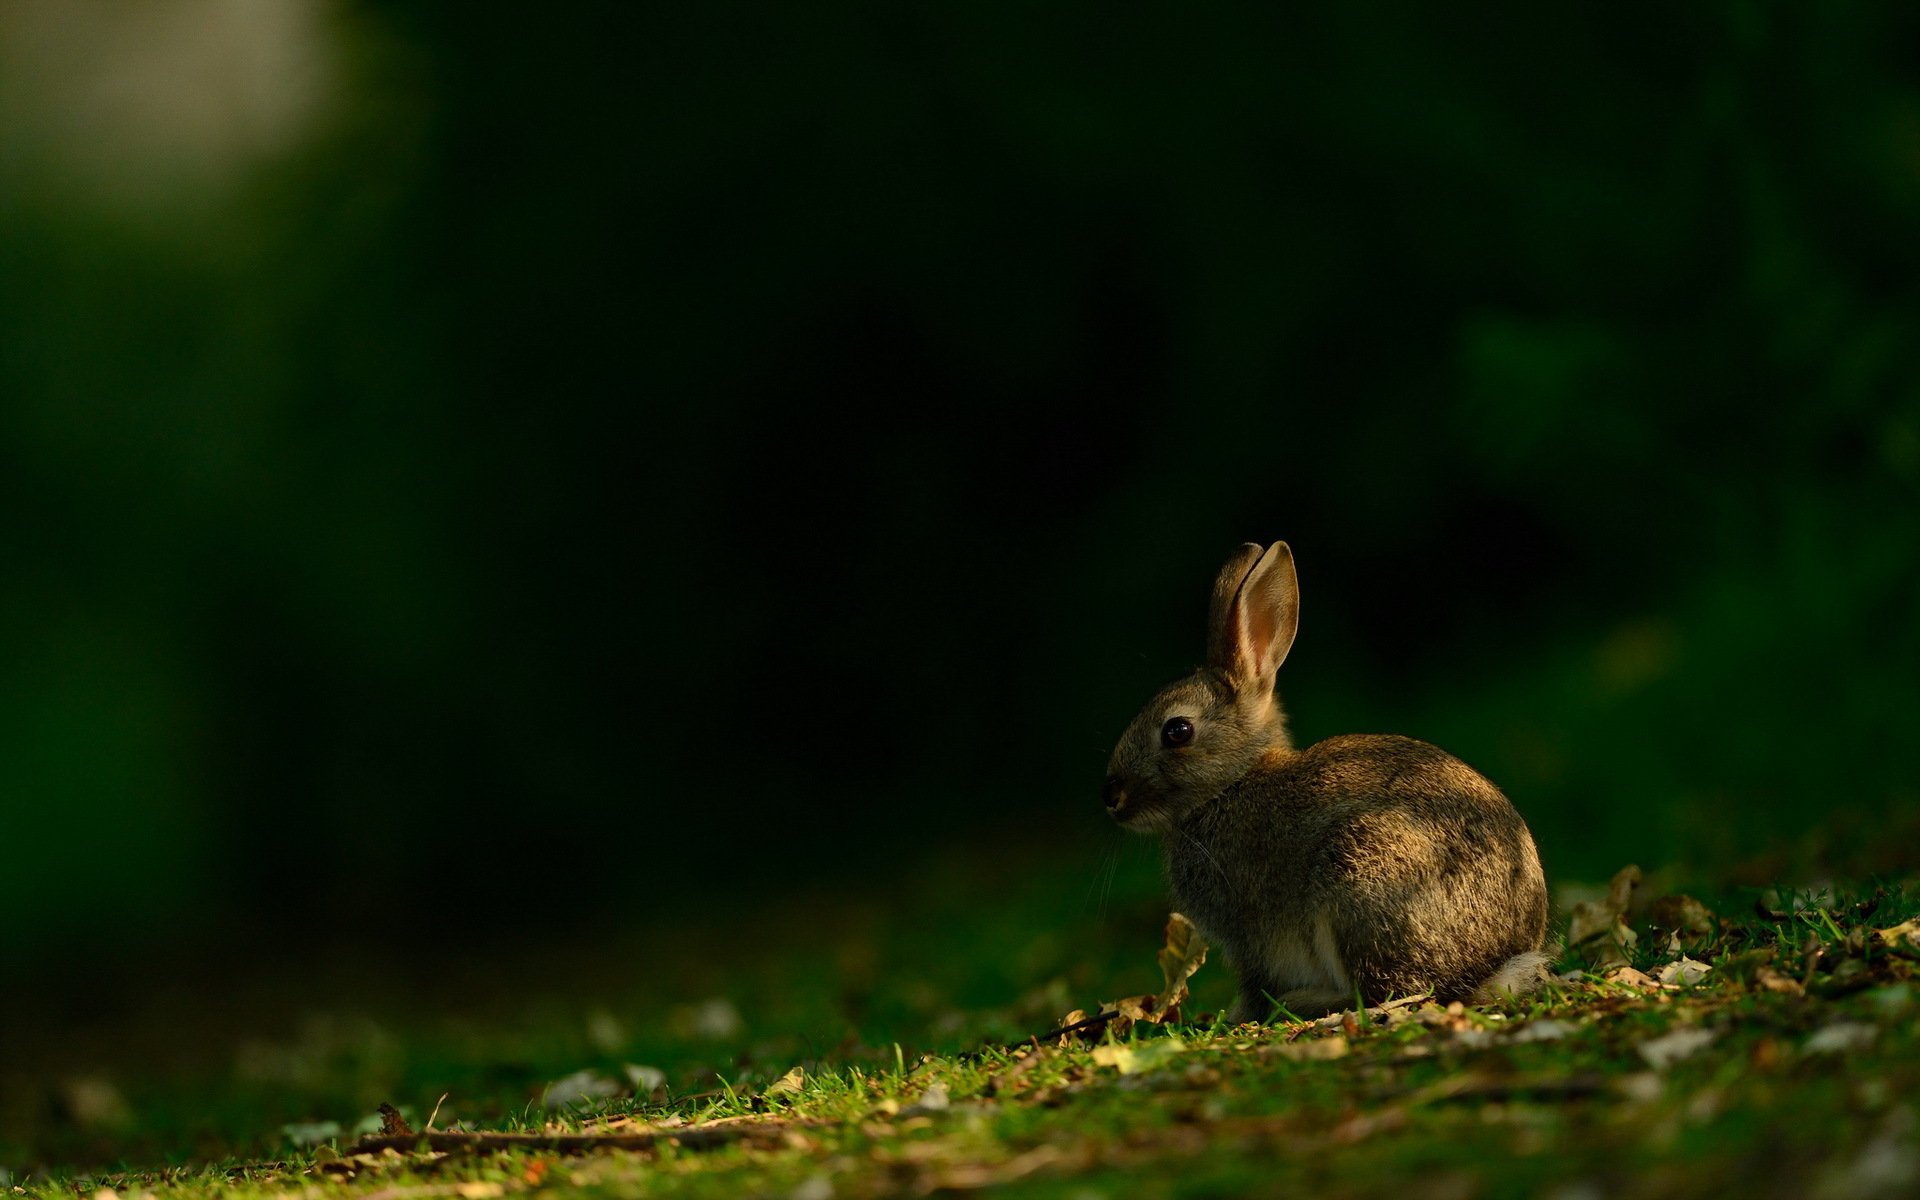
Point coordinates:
[(1516, 977)]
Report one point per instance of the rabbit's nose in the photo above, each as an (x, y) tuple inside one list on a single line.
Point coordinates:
[(1114, 794)]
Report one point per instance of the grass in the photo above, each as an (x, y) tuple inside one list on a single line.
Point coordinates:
[(862, 1056)]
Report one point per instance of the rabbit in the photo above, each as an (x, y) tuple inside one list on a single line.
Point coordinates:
[(1362, 867)]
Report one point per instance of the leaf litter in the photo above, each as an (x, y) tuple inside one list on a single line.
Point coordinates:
[(1727, 994)]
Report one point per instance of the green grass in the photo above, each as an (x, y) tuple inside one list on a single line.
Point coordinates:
[(1788, 1070)]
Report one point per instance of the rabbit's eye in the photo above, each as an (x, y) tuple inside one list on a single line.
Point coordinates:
[(1178, 731)]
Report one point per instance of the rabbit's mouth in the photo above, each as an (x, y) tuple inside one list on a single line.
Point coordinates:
[(1130, 810)]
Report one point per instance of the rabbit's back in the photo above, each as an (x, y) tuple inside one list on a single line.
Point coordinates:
[(1376, 863)]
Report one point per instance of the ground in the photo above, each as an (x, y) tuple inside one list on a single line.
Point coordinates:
[(1761, 1043)]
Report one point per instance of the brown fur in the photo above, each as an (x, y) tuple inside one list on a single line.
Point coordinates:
[(1373, 865)]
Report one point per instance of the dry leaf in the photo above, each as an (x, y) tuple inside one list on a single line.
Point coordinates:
[(392, 1124), (1140, 1056), (1684, 971), (1903, 938), (1115, 1055), (1628, 977), (788, 1084), (1682, 915), (1183, 954), (1620, 889), (1603, 922)]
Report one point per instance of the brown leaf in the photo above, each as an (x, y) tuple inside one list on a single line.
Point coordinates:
[(1682, 915), (1903, 938), (1628, 977), (789, 1084), (392, 1124), (1143, 1056), (1603, 923), (1133, 1008), (1185, 951), (1620, 889), (1089, 1033)]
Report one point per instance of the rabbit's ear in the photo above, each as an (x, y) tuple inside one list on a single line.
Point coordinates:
[(1220, 618), (1252, 636)]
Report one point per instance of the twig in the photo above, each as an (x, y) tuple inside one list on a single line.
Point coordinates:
[(1096, 1021), (1335, 1020)]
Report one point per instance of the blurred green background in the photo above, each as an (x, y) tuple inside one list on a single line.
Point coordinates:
[(463, 472)]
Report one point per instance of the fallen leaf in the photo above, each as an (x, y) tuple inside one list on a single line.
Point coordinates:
[(478, 1189), (1185, 951), (789, 1084), (1628, 977), (1669, 1048), (1599, 926), (1682, 915), (1620, 888), (1683, 970), (392, 1124), (1903, 938), (1133, 1058), (1115, 1055)]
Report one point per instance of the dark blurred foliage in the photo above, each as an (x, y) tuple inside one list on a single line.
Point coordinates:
[(616, 460)]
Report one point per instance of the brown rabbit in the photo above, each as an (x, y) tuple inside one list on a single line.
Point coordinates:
[(1364, 866)]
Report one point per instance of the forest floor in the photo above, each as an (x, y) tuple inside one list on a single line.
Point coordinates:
[(1760, 1044)]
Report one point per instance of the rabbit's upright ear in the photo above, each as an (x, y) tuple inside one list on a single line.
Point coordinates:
[(1256, 611), (1220, 620)]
